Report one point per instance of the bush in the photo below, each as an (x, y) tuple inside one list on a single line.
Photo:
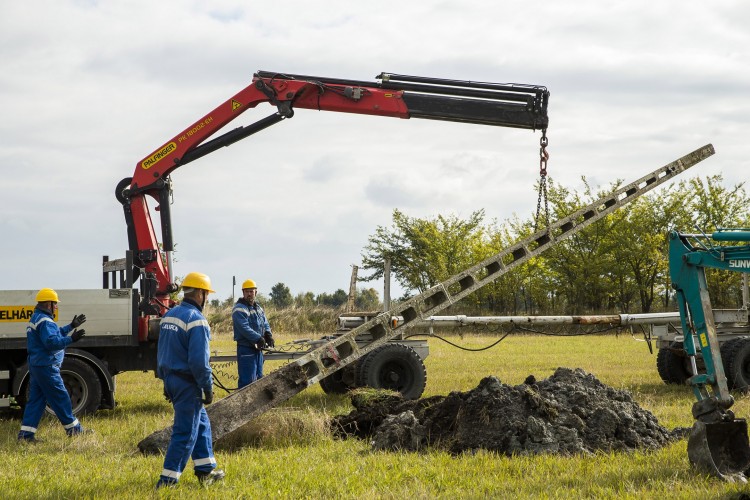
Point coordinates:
[(291, 320)]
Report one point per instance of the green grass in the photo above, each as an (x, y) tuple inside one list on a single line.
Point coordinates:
[(288, 453)]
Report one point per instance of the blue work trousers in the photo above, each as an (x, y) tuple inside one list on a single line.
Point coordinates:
[(46, 387), (191, 431), (249, 364)]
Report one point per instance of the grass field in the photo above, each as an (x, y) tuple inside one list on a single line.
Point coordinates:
[(288, 452)]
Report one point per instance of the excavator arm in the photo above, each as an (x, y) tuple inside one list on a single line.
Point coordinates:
[(718, 442), (397, 96)]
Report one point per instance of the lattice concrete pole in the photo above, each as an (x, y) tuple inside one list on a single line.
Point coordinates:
[(240, 407)]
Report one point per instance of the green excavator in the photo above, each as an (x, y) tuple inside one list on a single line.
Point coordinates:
[(718, 442)]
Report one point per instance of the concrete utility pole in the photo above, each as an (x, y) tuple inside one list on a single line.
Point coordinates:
[(352, 290)]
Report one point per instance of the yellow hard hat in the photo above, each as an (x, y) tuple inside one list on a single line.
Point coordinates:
[(197, 280), (249, 284), (47, 295)]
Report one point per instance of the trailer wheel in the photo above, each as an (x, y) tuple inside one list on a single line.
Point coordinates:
[(394, 366), (339, 382), (672, 366), (735, 355)]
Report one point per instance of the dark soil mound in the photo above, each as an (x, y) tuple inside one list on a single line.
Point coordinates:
[(570, 412)]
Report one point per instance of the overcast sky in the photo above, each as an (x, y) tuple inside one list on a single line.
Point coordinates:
[(89, 88)]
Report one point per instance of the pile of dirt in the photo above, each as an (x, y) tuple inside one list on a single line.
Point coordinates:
[(571, 412)]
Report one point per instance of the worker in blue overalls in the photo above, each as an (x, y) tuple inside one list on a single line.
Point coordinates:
[(183, 364), (252, 333), (45, 343)]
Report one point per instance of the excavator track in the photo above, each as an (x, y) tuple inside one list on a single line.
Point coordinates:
[(232, 412)]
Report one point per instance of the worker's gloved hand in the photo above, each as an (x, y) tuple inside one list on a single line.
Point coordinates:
[(208, 397), (268, 338), (260, 343), (78, 320), (76, 335)]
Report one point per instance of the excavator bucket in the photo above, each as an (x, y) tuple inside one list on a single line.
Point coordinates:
[(720, 449)]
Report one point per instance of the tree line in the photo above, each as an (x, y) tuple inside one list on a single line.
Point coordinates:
[(618, 264), (281, 297)]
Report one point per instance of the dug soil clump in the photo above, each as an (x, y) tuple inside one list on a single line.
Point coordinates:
[(571, 412)]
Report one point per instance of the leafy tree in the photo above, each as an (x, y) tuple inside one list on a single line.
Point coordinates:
[(619, 263), (336, 299), (423, 252), (281, 296), (580, 265), (367, 299), (527, 289), (306, 299), (714, 206), (640, 257)]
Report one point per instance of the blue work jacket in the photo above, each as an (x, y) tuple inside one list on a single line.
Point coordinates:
[(248, 322), (183, 348), (45, 341)]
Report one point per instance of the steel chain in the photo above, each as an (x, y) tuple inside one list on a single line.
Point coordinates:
[(543, 157)]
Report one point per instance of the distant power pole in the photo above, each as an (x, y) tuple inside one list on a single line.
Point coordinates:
[(352, 290), (386, 284), (234, 282)]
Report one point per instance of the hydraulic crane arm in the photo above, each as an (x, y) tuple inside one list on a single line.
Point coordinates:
[(398, 96)]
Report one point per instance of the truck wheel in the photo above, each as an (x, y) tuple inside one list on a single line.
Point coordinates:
[(394, 366), (672, 367), (735, 355), (83, 386)]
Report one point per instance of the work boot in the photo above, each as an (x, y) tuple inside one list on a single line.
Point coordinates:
[(210, 477), (29, 439), (166, 483), (78, 430)]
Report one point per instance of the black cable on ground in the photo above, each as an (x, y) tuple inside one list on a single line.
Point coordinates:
[(456, 345), (514, 327), (217, 368)]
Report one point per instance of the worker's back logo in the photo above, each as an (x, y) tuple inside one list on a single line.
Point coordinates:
[(16, 314), (155, 158), (739, 264), (169, 326)]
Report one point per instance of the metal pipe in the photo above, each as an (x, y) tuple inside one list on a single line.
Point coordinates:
[(169, 266), (461, 320)]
